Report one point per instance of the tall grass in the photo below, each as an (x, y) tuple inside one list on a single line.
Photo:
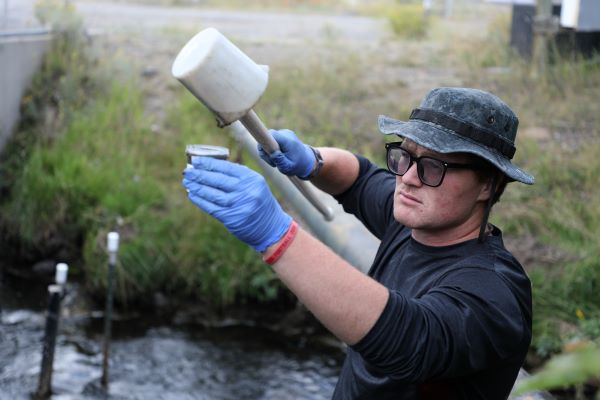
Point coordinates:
[(320, 101), (408, 20), (62, 85)]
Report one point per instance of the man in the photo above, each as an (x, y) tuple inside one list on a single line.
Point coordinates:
[(445, 311)]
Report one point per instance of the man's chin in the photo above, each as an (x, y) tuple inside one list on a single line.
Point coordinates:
[(404, 219)]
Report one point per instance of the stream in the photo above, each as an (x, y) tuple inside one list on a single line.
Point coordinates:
[(152, 359)]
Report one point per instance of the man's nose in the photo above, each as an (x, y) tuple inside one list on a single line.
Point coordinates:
[(411, 177)]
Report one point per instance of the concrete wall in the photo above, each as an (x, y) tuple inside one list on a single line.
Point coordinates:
[(21, 54)]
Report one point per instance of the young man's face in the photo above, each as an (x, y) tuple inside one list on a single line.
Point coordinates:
[(439, 215)]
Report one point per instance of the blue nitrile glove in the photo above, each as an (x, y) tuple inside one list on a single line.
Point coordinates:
[(239, 198), (293, 156)]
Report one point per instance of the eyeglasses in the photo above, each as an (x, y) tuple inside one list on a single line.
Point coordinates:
[(431, 171)]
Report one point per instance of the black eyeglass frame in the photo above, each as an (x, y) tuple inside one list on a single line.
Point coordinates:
[(420, 168)]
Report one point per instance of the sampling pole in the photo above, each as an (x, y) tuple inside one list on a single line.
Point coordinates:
[(56, 292), (112, 247), (230, 84)]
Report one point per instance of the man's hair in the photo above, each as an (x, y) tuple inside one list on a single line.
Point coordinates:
[(489, 172)]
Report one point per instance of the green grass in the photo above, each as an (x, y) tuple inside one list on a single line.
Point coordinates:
[(318, 102), (408, 20), (565, 370)]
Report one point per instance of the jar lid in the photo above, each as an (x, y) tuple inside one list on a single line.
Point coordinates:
[(205, 150)]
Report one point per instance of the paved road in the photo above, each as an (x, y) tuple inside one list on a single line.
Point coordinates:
[(17, 15), (250, 25)]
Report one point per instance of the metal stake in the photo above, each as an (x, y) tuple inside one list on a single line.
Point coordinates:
[(113, 246)]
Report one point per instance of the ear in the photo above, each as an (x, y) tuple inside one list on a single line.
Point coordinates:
[(486, 189)]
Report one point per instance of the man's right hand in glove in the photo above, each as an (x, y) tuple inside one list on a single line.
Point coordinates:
[(293, 156)]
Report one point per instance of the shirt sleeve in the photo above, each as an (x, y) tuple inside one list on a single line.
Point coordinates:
[(468, 322), (371, 197)]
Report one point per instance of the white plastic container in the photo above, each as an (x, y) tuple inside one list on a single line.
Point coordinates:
[(220, 75), (60, 276)]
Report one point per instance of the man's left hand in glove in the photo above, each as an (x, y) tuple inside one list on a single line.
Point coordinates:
[(239, 198)]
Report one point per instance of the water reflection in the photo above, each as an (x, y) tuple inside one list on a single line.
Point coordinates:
[(161, 362)]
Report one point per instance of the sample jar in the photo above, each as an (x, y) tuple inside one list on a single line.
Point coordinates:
[(205, 150)]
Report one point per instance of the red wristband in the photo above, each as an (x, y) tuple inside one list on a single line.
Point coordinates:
[(283, 245)]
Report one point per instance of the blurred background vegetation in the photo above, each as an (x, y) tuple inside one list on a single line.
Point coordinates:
[(88, 159)]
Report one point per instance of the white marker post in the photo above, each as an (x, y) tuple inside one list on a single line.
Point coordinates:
[(112, 247), (55, 295)]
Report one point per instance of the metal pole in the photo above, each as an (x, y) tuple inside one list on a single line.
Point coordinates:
[(113, 246), (544, 28), (5, 14), (259, 131), (347, 237), (1, 290), (448, 8), (52, 318), (427, 6)]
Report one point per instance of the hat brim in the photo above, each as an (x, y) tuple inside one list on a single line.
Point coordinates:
[(442, 140)]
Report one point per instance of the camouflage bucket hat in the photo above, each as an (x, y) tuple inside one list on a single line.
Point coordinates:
[(461, 120)]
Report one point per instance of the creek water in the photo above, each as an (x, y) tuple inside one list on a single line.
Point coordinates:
[(153, 360)]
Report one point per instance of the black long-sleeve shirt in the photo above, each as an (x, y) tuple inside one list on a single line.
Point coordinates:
[(457, 324)]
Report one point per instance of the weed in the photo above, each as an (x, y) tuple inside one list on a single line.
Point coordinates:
[(408, 20)]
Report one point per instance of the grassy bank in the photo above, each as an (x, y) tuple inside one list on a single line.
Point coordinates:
[(101, 168), (107, 170)]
